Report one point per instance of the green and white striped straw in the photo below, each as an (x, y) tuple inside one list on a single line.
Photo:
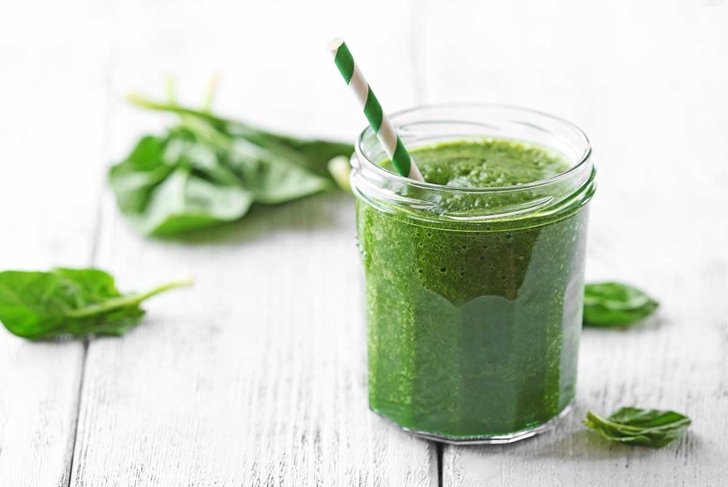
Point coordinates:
[(378, 120)]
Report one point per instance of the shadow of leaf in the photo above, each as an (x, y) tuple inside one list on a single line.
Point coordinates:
[(318, 212)]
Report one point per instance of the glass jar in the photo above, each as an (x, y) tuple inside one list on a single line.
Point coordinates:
[(474, 295)]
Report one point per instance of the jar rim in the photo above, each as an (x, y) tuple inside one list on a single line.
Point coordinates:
[(582, 159)]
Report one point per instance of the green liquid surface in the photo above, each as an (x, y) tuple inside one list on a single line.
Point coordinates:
[(487, 164), (473, 329)]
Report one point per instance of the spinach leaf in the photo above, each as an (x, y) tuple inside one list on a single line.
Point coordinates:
[(609, 304), (316, 153), (276, 175), (634, 426), (209, 170), (69, 302)]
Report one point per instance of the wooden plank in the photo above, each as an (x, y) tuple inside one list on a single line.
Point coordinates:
[(52, 135), (647, 82), (257, 375)]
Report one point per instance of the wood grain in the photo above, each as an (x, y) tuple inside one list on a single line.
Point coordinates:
[(255, 377), (53, 98)]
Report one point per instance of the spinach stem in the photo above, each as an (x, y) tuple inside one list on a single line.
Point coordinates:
[(210, 94), (128, 300), (143, 102)]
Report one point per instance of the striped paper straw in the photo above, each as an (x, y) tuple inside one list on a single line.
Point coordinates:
[(378, 120)]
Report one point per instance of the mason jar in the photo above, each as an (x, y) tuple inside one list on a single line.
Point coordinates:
[(473, 295)]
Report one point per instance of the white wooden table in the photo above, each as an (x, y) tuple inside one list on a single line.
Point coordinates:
[(257, 375)]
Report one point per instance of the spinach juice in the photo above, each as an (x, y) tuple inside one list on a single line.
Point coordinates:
[(474, 281)]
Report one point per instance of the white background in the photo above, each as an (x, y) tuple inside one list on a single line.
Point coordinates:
[(256, 376)]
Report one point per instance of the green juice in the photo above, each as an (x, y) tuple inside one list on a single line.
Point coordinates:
[(474, 327)]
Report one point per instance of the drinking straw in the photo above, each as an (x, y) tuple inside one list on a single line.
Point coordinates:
[(378, 120)]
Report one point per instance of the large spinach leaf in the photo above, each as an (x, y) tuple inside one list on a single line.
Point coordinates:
[(208, 170), (69, 302)]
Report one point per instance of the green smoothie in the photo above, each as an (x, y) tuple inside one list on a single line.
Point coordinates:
[(474, 327)]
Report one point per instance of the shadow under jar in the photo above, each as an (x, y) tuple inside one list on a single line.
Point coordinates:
[(474, 295)]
